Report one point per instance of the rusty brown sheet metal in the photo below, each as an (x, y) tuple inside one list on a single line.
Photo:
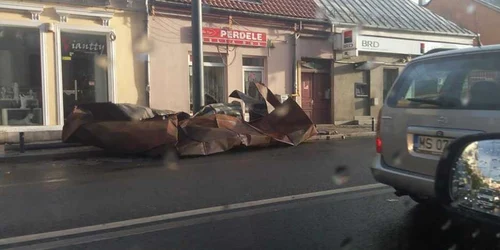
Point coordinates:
[(128, 128)]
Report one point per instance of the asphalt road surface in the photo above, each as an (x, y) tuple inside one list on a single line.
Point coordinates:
[(319, 195)]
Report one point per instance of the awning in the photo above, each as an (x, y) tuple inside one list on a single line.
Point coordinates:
[(367, 65)]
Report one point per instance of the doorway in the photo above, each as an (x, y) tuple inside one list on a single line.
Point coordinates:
[(390, 76), (84, 69), (316, 96)]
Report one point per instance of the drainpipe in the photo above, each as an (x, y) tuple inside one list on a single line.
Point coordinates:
[(148, 58), (294, 64), (295, 37)]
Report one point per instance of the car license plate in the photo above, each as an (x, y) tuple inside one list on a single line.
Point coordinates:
[(429, 144)]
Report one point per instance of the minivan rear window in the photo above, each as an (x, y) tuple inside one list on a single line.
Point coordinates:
[(453, 82)]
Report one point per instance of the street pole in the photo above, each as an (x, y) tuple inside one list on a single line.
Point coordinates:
[(197, 50)]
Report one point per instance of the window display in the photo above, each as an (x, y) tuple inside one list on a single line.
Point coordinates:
[(20, 77)]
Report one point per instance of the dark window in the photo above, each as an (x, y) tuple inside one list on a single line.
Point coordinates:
[(21, 99), (361, 89), (390, 76)]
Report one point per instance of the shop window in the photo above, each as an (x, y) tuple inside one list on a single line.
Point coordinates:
[(390, 76), (84, 69), (214, 79), (20, 77), (253, 72)]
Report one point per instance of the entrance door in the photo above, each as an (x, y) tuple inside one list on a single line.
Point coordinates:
[(316, 94), (321, 97), (307, 94), (84, 69)]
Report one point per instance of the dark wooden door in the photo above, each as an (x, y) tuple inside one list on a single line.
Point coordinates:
[(306, 95), (321, 98), (316, 96)]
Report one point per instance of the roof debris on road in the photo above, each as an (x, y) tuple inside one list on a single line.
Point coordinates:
[(133, 129)]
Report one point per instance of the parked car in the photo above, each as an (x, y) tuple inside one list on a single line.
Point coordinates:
[(436, 98), (487, 198)]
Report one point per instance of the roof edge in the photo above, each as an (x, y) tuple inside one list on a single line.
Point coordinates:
[(488, 5), (407, 30)]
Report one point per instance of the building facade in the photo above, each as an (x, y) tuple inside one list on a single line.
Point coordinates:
[(479, 16), (244, 42), (55, 54), (374, 41)]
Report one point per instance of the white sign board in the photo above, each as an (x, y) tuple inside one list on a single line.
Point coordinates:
[(400, 46)]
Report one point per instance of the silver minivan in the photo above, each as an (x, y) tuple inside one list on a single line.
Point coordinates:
[(436, 98)]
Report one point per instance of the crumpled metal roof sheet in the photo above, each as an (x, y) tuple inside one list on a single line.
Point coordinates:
[(389, 14), (127, 128)]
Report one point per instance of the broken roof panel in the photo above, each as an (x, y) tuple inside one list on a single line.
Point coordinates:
[(389, 14)]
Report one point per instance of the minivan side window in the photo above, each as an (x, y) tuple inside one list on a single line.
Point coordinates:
[(453, 82)]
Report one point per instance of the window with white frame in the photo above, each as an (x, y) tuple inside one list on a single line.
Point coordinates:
[(214, 79), (21, 92), (253, 72)]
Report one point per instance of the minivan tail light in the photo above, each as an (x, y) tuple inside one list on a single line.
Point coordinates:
[(378, 140), (378, 143)]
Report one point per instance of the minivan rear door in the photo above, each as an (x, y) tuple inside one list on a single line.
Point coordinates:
[(435, 101)]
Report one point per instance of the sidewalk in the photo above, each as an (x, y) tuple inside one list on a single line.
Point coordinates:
[(57, 150), (332, 132)]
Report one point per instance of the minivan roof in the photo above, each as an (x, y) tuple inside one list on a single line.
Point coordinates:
[(453, 52)]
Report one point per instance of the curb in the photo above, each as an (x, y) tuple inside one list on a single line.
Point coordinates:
[(343, 136), (81, 152), (67, 153)]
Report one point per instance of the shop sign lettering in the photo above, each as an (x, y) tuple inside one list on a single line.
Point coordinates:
[(90, 47), (69, 46), (370, 44), (234, 37)]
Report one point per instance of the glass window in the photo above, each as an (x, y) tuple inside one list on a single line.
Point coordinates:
[(84, 69), (390, 76), (253, 72), (253, 61), (214, 72), (252, 76), (460, 82), (20, 77)]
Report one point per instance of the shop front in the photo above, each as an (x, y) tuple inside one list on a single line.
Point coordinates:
[(236, 54), (54, 58)]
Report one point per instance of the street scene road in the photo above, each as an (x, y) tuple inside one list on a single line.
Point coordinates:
[(319, 195)]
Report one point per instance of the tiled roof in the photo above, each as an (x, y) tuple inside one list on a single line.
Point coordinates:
[(389, 14), (288, 8)]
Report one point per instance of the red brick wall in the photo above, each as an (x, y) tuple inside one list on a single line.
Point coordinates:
[(470, 15)]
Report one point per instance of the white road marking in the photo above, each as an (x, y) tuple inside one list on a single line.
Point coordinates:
[(197, 220), (183, 214), (34, 183)]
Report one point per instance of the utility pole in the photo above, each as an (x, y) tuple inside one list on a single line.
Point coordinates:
[(197, 50)]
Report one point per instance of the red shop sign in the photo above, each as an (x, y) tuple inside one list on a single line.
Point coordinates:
[(234, 37)]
